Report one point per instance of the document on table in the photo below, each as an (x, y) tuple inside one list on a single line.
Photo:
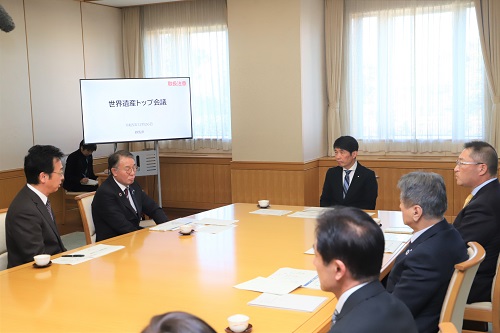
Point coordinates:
[(91, 182), (90, 253), (311, 214), (310, 251), (289, 302), (266, 285), (171, 225), (215, 221), (399, 230), (396, 237), (275, 212), (214, 229), (300, 276)]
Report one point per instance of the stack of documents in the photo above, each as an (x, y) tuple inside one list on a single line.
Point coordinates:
[(276, 289), (174, 224), (87, 254)]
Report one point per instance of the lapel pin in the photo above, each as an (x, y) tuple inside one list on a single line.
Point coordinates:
[(120, 194), (408, 251)]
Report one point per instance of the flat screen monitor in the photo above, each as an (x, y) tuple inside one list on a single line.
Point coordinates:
[(127, 110)]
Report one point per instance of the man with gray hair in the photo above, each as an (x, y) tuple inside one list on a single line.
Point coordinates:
[(421, 275)]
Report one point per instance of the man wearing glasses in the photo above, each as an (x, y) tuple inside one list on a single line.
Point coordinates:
[(120, 202), (30, 225), (479, 219)]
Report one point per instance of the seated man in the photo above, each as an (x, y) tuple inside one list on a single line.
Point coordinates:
[(479, 219), (421, 275), (350, 183), (348, 257), (120, 202), (30, 227), (79, 170)]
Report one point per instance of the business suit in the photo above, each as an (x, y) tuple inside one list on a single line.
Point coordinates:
[(421, 275), (79, 166), (479, 221), (114, 215), (372, 309), (362, 193), (30, 229)]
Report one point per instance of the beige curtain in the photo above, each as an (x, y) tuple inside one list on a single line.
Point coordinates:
[(132, 56), (488, 20), (334, 17)]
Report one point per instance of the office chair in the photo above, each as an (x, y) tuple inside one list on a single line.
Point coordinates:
[(447, 327), (487, 311), (459, 286), (85, 206), (3, 244)]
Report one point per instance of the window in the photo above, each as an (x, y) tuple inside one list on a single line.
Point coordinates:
[(414, 77), (190, 39)]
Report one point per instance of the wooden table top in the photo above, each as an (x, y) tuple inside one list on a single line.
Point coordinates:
[(158, 272)]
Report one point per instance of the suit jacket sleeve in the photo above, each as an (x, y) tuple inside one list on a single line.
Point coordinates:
[(149, 206), (72, 172), (477, 221), (326, 199), (369, 194), (27, 233)]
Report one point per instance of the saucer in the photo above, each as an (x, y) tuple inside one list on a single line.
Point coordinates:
[(268, 206), (189, 233), (248, 330), (37, 266)]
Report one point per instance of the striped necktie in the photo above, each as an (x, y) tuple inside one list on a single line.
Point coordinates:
[(467, 200), (334, 317), (346, 182), (49, 209)]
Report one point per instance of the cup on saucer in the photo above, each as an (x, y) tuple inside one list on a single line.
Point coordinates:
[(238, 323), (186, 229), (42, 259)]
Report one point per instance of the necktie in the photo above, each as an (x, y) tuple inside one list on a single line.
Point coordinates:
[(334, 317), (126, 192), (49, 209), (467, 200), (346, 182)]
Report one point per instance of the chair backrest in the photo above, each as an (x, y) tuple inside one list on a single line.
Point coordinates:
[(85, 206), (459, 286), (495, 298), (447, 327), (3, 244)]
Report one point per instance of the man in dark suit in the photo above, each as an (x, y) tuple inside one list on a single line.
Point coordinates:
[(348, 257), (350, 183), (30, 226), (79, 170), (421, 275), (479, 220), (120, 202)]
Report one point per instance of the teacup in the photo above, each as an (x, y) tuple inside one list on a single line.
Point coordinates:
[(186, 229), (263, 203), (42, 259), (238, 322)]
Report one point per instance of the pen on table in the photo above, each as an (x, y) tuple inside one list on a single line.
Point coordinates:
[(73, 255)]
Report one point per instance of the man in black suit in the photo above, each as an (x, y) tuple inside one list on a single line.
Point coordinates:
[(421, 275), (79, 170), (348, 257), (30, 226), (350, 183), (120, 202), (479, 220)]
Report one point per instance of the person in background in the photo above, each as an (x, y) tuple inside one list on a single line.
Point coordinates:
[(177, 322), (120, 202), (350, 183), (79, 171), (421, 275), (479, 219), (30, 226), (348, 257)]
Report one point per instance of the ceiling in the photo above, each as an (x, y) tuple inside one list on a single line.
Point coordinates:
[(127, 3)]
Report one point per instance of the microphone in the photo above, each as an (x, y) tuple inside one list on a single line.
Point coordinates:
[(6, 23)]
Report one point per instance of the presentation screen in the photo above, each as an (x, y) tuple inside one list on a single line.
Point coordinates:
[(125, 110)]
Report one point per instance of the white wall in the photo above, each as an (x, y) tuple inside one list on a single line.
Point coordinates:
[(40, 69)]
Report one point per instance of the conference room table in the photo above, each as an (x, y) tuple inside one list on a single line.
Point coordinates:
[(162, 271)]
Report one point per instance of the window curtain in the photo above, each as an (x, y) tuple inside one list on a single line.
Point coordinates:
[(334, 15), (412, 76), (189, 38), (488, 20)]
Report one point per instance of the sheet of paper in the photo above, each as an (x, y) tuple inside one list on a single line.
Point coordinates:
[(399, 230), (317, 209), (290, 302), (215, 221), (391, 246), (313, 283), (92, 182), (275, 212), (90, 253), (293, 275), (171, 225), (396, 237), (311, 214), (214, 229), (310, 251), (266, 285)]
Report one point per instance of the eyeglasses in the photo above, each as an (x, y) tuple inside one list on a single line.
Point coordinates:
[(460, 163), (60, 173), (128, 170)]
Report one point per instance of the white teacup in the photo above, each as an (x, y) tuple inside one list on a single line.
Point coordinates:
[(263, 203), (42, 259), (186, 228), (238, 322)]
